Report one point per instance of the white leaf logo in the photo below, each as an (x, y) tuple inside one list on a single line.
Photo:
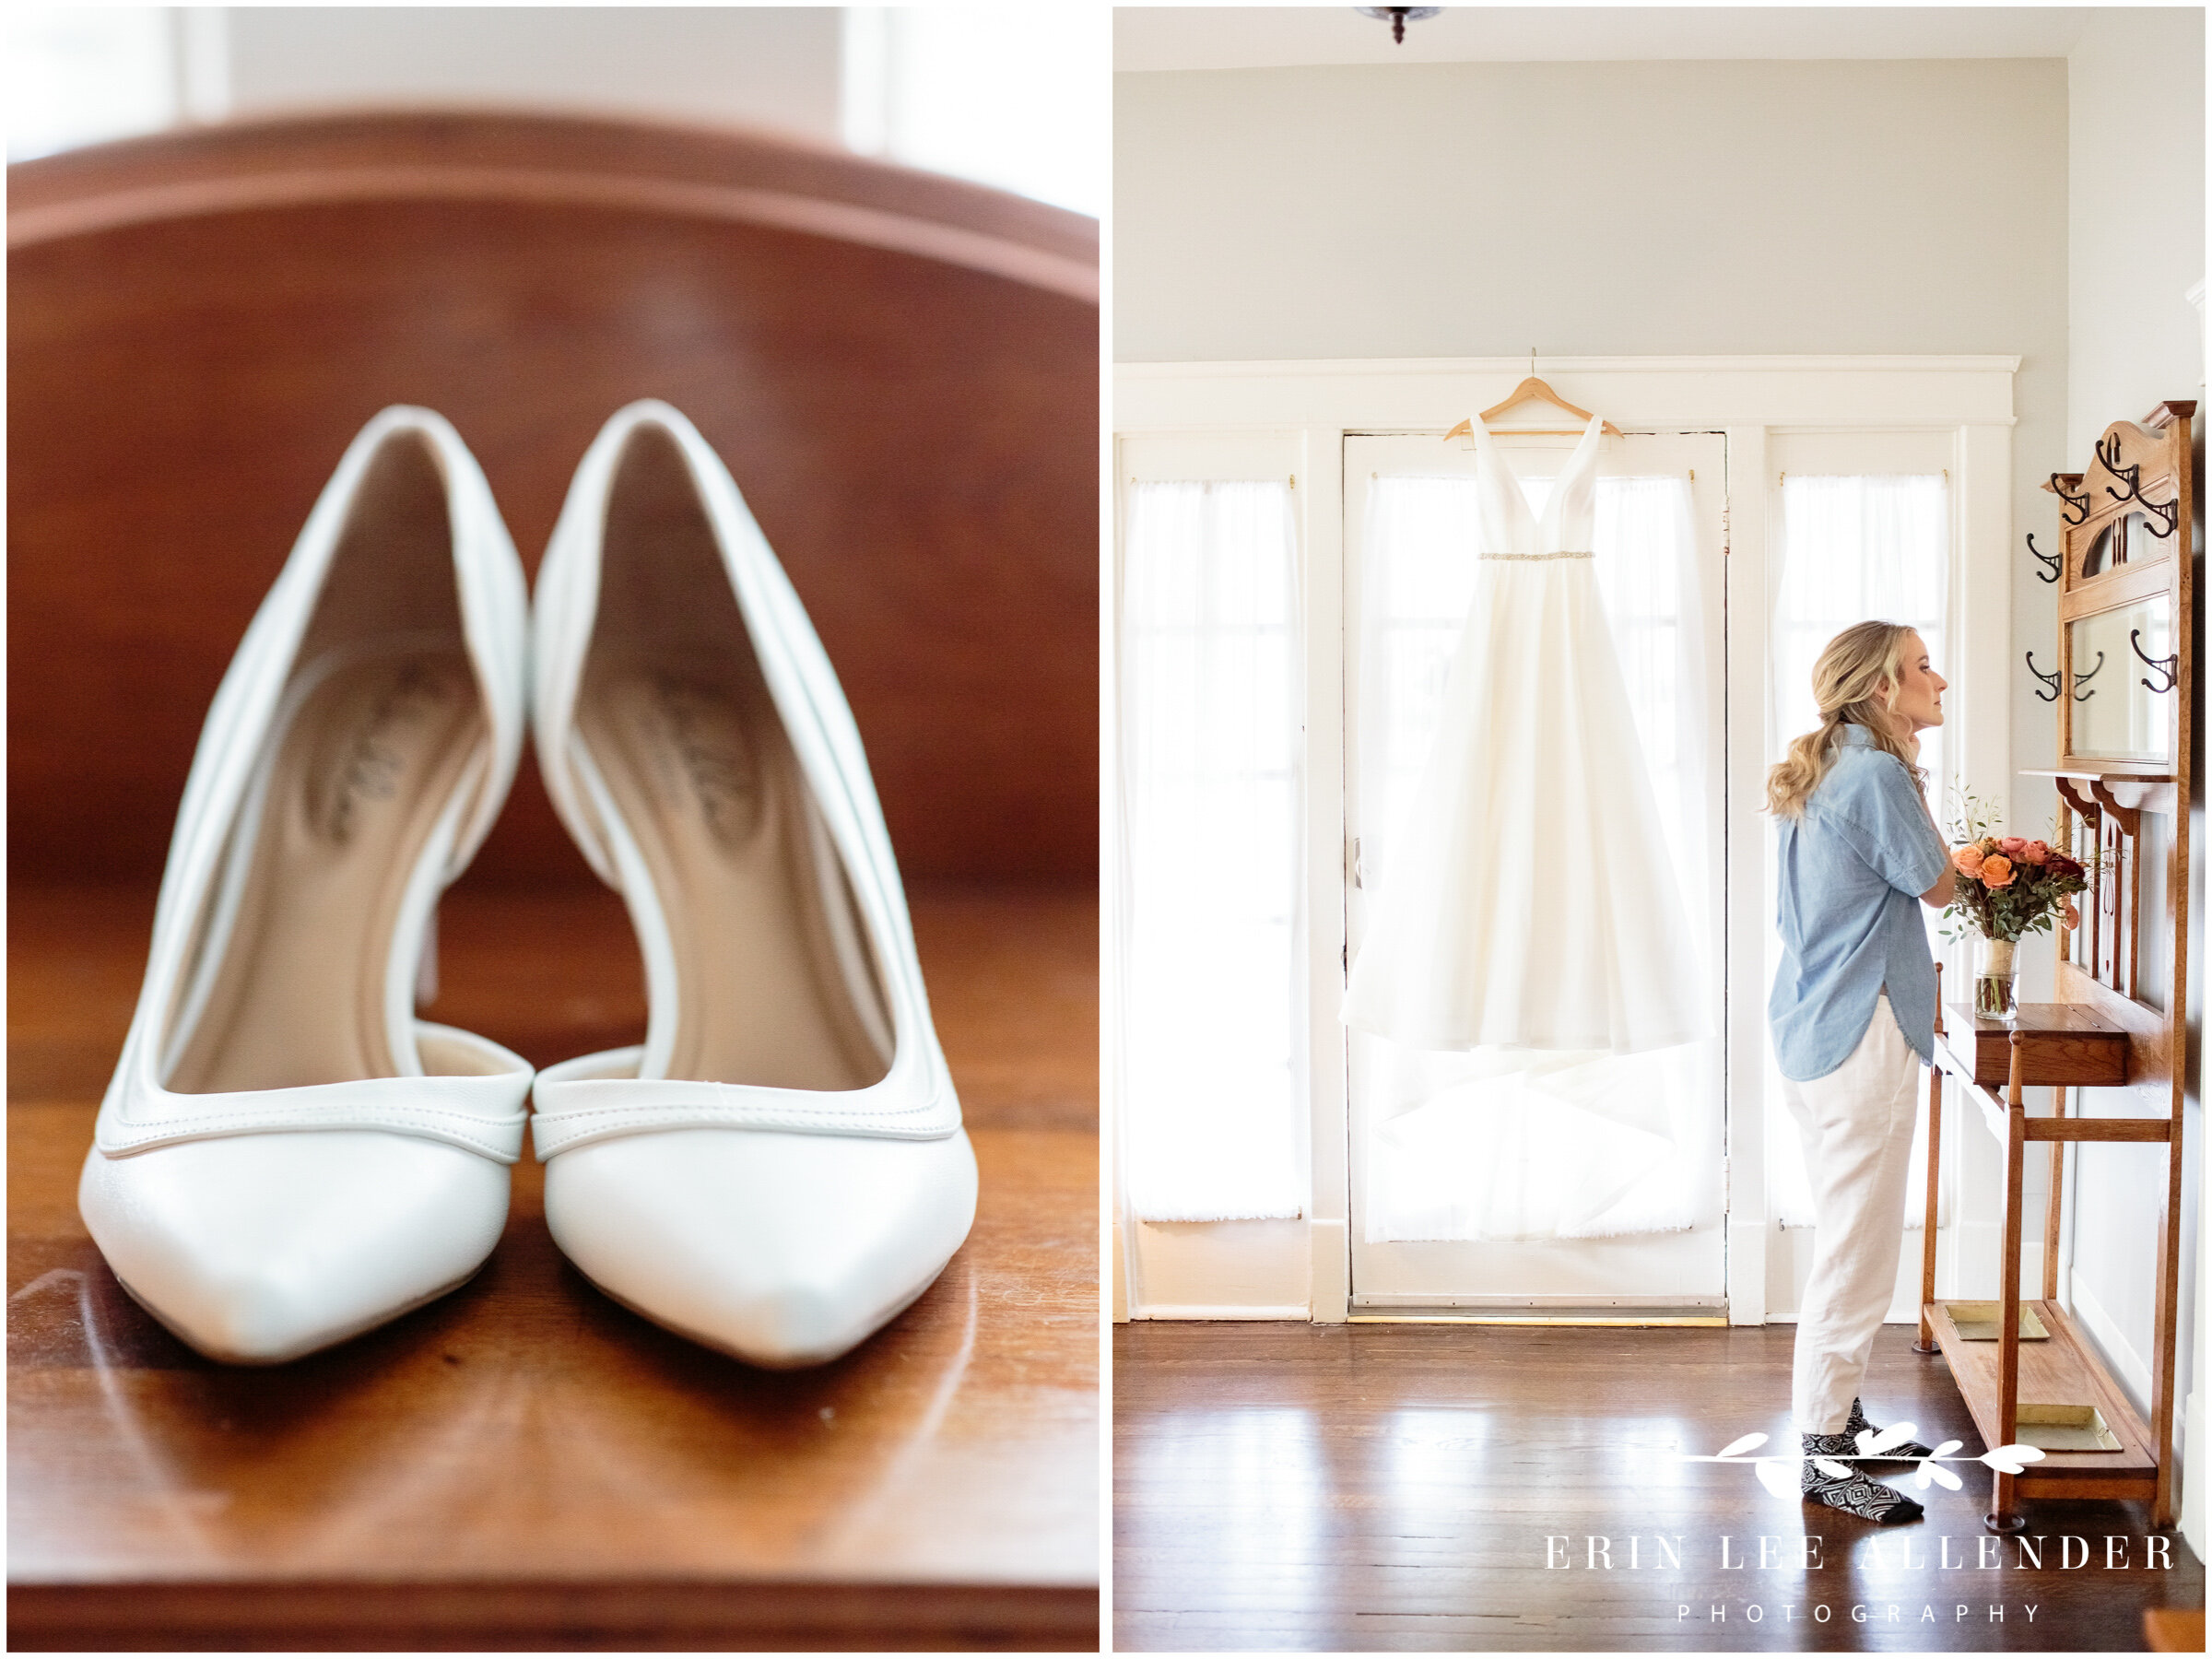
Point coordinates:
[(1779, 1476), (1940, 1476), (2012, 1459), (1873, 1443)]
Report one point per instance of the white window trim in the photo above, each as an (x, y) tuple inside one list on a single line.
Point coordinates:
[(1256, 1269)]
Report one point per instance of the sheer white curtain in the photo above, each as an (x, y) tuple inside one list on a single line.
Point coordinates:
[(1211, 1001), (1853, 549), (1498, 1145)]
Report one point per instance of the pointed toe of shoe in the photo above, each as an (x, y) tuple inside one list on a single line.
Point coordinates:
[(260, 1248), (784, 1250)]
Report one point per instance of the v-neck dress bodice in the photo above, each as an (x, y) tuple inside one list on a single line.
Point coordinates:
[(1529, 903), (1511, 529)]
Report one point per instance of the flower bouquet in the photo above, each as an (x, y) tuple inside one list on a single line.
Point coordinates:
[(2008, 888)]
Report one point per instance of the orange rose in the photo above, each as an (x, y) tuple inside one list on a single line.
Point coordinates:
[(2036, 853), (1969, 860), (1996, 871), (2072, 914)]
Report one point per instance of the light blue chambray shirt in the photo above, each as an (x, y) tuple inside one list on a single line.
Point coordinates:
[(1852, 871)]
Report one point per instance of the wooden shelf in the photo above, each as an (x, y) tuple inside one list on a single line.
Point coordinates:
[(524, 1464), (2066, 1043), (2059, 1370)]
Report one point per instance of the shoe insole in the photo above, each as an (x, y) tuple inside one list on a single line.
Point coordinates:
[(705, 778), (363, 769)]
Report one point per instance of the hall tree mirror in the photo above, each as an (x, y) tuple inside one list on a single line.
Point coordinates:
[(1293, 563)]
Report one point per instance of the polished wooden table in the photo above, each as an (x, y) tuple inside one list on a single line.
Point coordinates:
[(2056, 1045), (524, 1463)]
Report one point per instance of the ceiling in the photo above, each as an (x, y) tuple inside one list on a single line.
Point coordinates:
[(1274, 37)]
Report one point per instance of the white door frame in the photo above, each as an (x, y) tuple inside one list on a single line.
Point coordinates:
[(1223, 1266)]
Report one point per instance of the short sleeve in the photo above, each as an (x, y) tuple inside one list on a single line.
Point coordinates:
[(1878, 812)]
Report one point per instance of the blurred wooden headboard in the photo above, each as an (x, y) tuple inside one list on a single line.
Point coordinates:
[(901, 371)]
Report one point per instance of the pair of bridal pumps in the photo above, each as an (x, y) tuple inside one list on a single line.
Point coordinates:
[(288, 1156)]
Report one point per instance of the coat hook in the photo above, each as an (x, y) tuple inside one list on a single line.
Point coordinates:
[(2075, 504), (2083, 679), (2049, 561), (2165, 665), (2108, 452), (2049, 679)]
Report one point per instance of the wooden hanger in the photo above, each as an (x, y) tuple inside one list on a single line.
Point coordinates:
[(1529, 391)]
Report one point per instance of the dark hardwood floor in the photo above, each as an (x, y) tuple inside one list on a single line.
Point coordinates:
[(1368, 1487)]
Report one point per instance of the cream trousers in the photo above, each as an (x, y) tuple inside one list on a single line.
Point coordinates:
[(1856, 1125)]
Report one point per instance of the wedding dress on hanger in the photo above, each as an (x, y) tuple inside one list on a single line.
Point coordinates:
[(1530, 902)]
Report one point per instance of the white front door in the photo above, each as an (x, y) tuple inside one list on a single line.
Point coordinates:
[(1449, 1210)]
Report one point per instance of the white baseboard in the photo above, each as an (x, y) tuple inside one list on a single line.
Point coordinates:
[(2129, 1367), (1220, 1269), (1748, 1245), (1197, 1310), (1332, 1245)]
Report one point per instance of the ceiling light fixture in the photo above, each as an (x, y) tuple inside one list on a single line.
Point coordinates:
[(1397, 16)]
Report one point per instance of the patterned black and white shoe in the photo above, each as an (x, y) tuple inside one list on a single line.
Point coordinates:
[(1860, 1431), (1841, 1485)]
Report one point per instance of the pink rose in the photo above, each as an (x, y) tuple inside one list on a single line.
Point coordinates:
[(1969, 860), (2011, 845), (2036, 853), (2072, 914)]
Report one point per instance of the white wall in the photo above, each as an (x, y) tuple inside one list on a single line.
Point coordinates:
[(1469, 209), (775, 66), (2135, 234), (2136, 161)]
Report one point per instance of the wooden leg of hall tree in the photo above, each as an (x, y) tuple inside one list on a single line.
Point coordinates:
[(1927, 1344), (2003, 1517), (2051, 1215)]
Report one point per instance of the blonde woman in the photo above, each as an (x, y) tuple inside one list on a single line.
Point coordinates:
[(1854, 1017)]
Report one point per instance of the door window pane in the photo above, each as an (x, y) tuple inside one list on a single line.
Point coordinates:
[(1211, 999), (1854, 547)]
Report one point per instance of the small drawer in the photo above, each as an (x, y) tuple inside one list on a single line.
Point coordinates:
[(2064, 1043)]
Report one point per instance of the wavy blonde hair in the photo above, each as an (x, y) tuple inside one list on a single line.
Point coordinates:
[(1849, 689)]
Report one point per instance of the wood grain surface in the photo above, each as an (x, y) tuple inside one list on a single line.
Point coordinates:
[(524, 1463), (1380, 1487), (2066, 1044), (2059, 1370), (900, 370)]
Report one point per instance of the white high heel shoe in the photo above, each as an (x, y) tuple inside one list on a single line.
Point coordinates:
[(285, 1155), (779, 1169)]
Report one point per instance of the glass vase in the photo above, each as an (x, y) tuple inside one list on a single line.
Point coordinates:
[(1995, 982)]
